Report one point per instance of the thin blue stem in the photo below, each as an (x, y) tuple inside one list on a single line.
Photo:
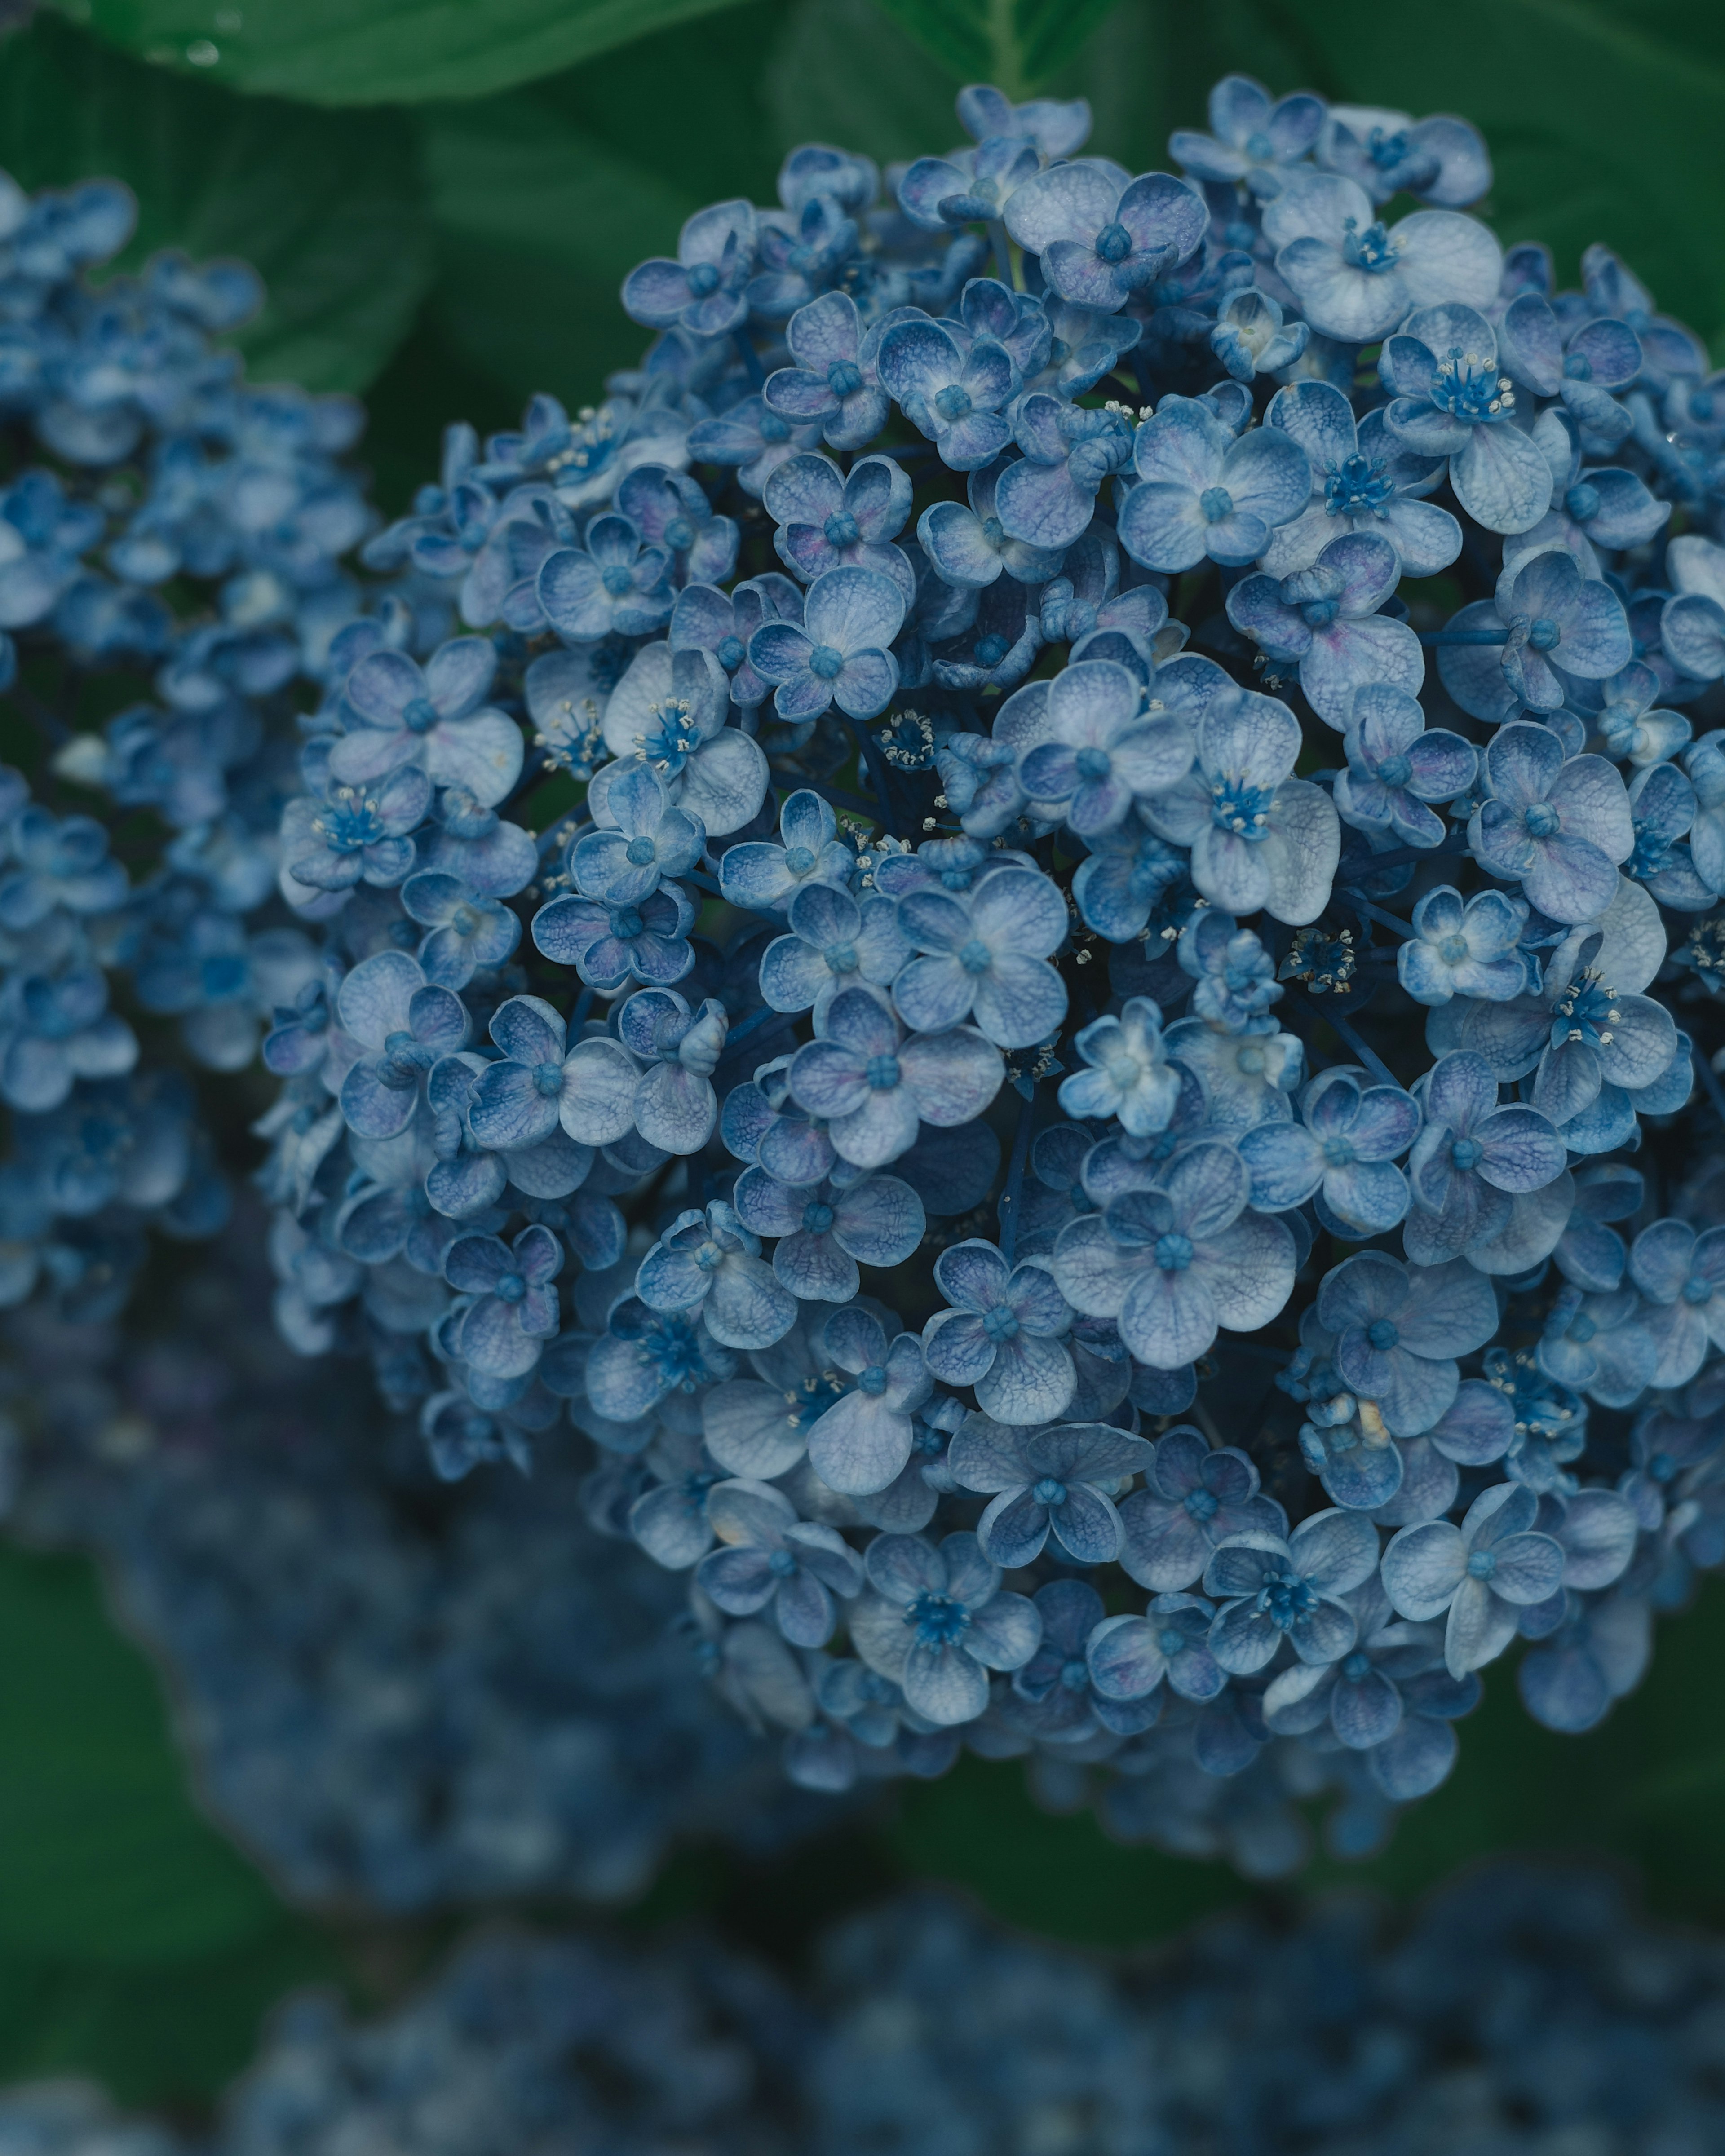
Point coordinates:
[(1377, 913), (750, 357), (753, 1023), (1350, 1039), (1015, 1179), (583, 1004), (1459, 638)]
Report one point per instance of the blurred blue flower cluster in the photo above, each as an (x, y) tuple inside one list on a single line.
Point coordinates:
[(1521, 2010), (1128, 754)]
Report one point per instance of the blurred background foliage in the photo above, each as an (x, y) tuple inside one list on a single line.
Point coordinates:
[(443, 196)]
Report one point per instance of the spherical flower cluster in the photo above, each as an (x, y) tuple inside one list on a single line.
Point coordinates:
[(794, 960)]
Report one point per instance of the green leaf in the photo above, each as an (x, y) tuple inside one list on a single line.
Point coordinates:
[(377, 52), (136, 1944), (1015, 44), (545, 198), (326, 205)]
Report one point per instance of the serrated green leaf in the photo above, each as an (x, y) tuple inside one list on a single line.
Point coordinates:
[(1015, 44), (326, 205), (377, 52)]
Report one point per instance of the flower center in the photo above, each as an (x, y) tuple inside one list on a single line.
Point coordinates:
[(1583, 500), (938, 1620), (975, 956), (730, 652), (1284, 1599), (841, 530), (1543, 634), (842, 378), (1203, 1505), (1454, 950), (1114, 243), (826, 662), (1480, 1564), (1358, 486), (1093, 764), (1240, 808), (1174, 1252), (1171, 1642), (872, 1381), (817, 1218), (548, 1078), (1356, 1666), (1395, 770), (1697, 1290), (1215, 503), (1000, 1324), (639, 852), (420, 717), (1382, 1334), (703, 279), (881, 1073), (1050, 1491), (952, 402), (1373, 250), (511, 1288), (841, 957), (798, 860), (1471, 389), (1338, 1152), (1465, 1154), (617, 580)]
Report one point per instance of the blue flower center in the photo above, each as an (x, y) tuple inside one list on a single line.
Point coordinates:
[(1074, 1675), (798, 860), (1454, 950), (1358, 486), (841, 530), (401, 1061), (1240, 808), (419, 715), (618, 580), (1215, 503), (1541, 821), (703, 279), (350, 822), (1049, 1491), (842, 378), (1465, 1154), (975, 957), (872, 1381), (1583, 500), (1373, 250), (1585, 1012), (772, 428), (511, 1288), (1470, 389), (1543, 634), (626, 924), (679, 535), (1171, 1642), (1356, 1666), (731, 653), (640, 853), (1339, 1152), (548, 1078), (1697, 1290), (826, 662), (1202, 1504), (990, 650), (1480, 1564), (952, 402), (841, 957), (1093, 765), (673, 1346), (1000, 1324), (781, 1564), (1114, 243), (937, 1619), (1382, 1334), (817, 1218), (1319, 613), (1285, 1598), (1395, 770), (881, 1073), (1174, 1252)]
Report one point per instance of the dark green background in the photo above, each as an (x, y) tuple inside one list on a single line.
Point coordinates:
[(443, 196)]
